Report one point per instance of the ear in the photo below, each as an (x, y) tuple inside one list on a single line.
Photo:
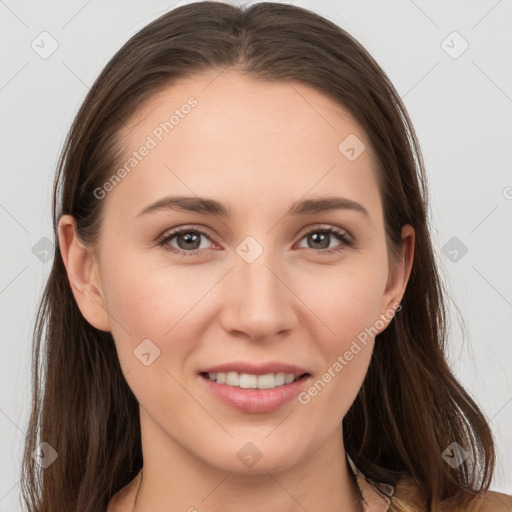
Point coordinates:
[(399, 275), (83, 274)]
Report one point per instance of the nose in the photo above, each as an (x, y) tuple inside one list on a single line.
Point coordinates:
[(258, 301)]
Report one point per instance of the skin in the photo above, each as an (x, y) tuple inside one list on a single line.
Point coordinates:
[(257, 147)]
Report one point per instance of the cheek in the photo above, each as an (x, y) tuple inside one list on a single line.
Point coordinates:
[(346, 355), (157, 301), (152, 331), (348, 306), (134, 301), (347, 299)]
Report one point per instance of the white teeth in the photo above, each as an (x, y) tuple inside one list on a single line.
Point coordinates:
[(280, 378), (267, 381), (250, 381), (289, 378), (232, 379)]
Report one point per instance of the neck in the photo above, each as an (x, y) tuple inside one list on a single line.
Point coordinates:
[(321, 481)]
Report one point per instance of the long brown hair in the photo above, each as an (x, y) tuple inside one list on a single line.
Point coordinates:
[(410, 408)]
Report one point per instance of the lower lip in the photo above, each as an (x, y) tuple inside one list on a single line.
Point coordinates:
[(255, 400)]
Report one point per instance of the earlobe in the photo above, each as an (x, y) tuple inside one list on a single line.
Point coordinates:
[(84, 279)]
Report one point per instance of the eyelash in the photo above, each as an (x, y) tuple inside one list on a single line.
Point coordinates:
[(342, 237)]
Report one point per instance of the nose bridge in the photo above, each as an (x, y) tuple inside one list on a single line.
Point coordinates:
[(258, 302)]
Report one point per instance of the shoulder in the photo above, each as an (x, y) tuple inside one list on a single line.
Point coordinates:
[(406, 491), (496, 502), (490, 501)]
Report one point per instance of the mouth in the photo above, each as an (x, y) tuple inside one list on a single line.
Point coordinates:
[(262, 391)]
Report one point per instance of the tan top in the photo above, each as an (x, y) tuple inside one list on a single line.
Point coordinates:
[(376, 496)]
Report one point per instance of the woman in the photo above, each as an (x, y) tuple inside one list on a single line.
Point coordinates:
[(244, 310)]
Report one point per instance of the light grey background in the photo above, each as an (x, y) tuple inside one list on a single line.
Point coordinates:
[(461, 108)]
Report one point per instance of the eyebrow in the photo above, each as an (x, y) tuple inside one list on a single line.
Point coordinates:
[(207, 206)]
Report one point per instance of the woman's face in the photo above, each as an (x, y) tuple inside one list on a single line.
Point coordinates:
[(259, 286)]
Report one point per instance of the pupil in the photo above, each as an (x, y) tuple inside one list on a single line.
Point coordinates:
[(189, 237), (322, 237)]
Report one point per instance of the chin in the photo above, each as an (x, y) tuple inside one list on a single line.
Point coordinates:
[(257, 456)]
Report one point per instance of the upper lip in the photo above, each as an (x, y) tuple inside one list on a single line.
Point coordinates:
[(256, 369)]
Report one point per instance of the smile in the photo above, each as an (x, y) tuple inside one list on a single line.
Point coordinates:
[(251, 393)]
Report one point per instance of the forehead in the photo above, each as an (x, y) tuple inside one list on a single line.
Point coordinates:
[(244, 103), (245, 139)]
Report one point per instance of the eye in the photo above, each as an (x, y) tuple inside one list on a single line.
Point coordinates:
[(188, 240), (322, 241)]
